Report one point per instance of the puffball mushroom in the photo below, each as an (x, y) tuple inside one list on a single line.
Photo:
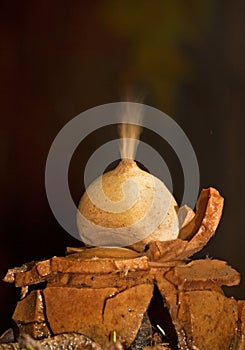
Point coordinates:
[(127, 207)]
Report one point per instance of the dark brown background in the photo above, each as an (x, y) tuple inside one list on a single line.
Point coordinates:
[(60, 58)]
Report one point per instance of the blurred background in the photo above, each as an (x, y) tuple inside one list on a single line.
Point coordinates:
[(60, 58)]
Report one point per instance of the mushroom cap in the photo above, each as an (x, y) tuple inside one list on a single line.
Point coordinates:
[(127, 207)]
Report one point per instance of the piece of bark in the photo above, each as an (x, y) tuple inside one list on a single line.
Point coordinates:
[(208, 213), (165, 264), (194, 236), (203, 274), (195, 314), (28, 274), (97, 312), (11, 273), (166, 250), (43, 270), (60, 264), (168, 292), (28, 278), (30, 309), (240, 345), (208, 320), (29, 315), (118, 280), (77, 310), (101, 252), (124, 312)]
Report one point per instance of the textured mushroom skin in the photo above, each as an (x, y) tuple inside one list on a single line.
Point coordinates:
[(127, 199)]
